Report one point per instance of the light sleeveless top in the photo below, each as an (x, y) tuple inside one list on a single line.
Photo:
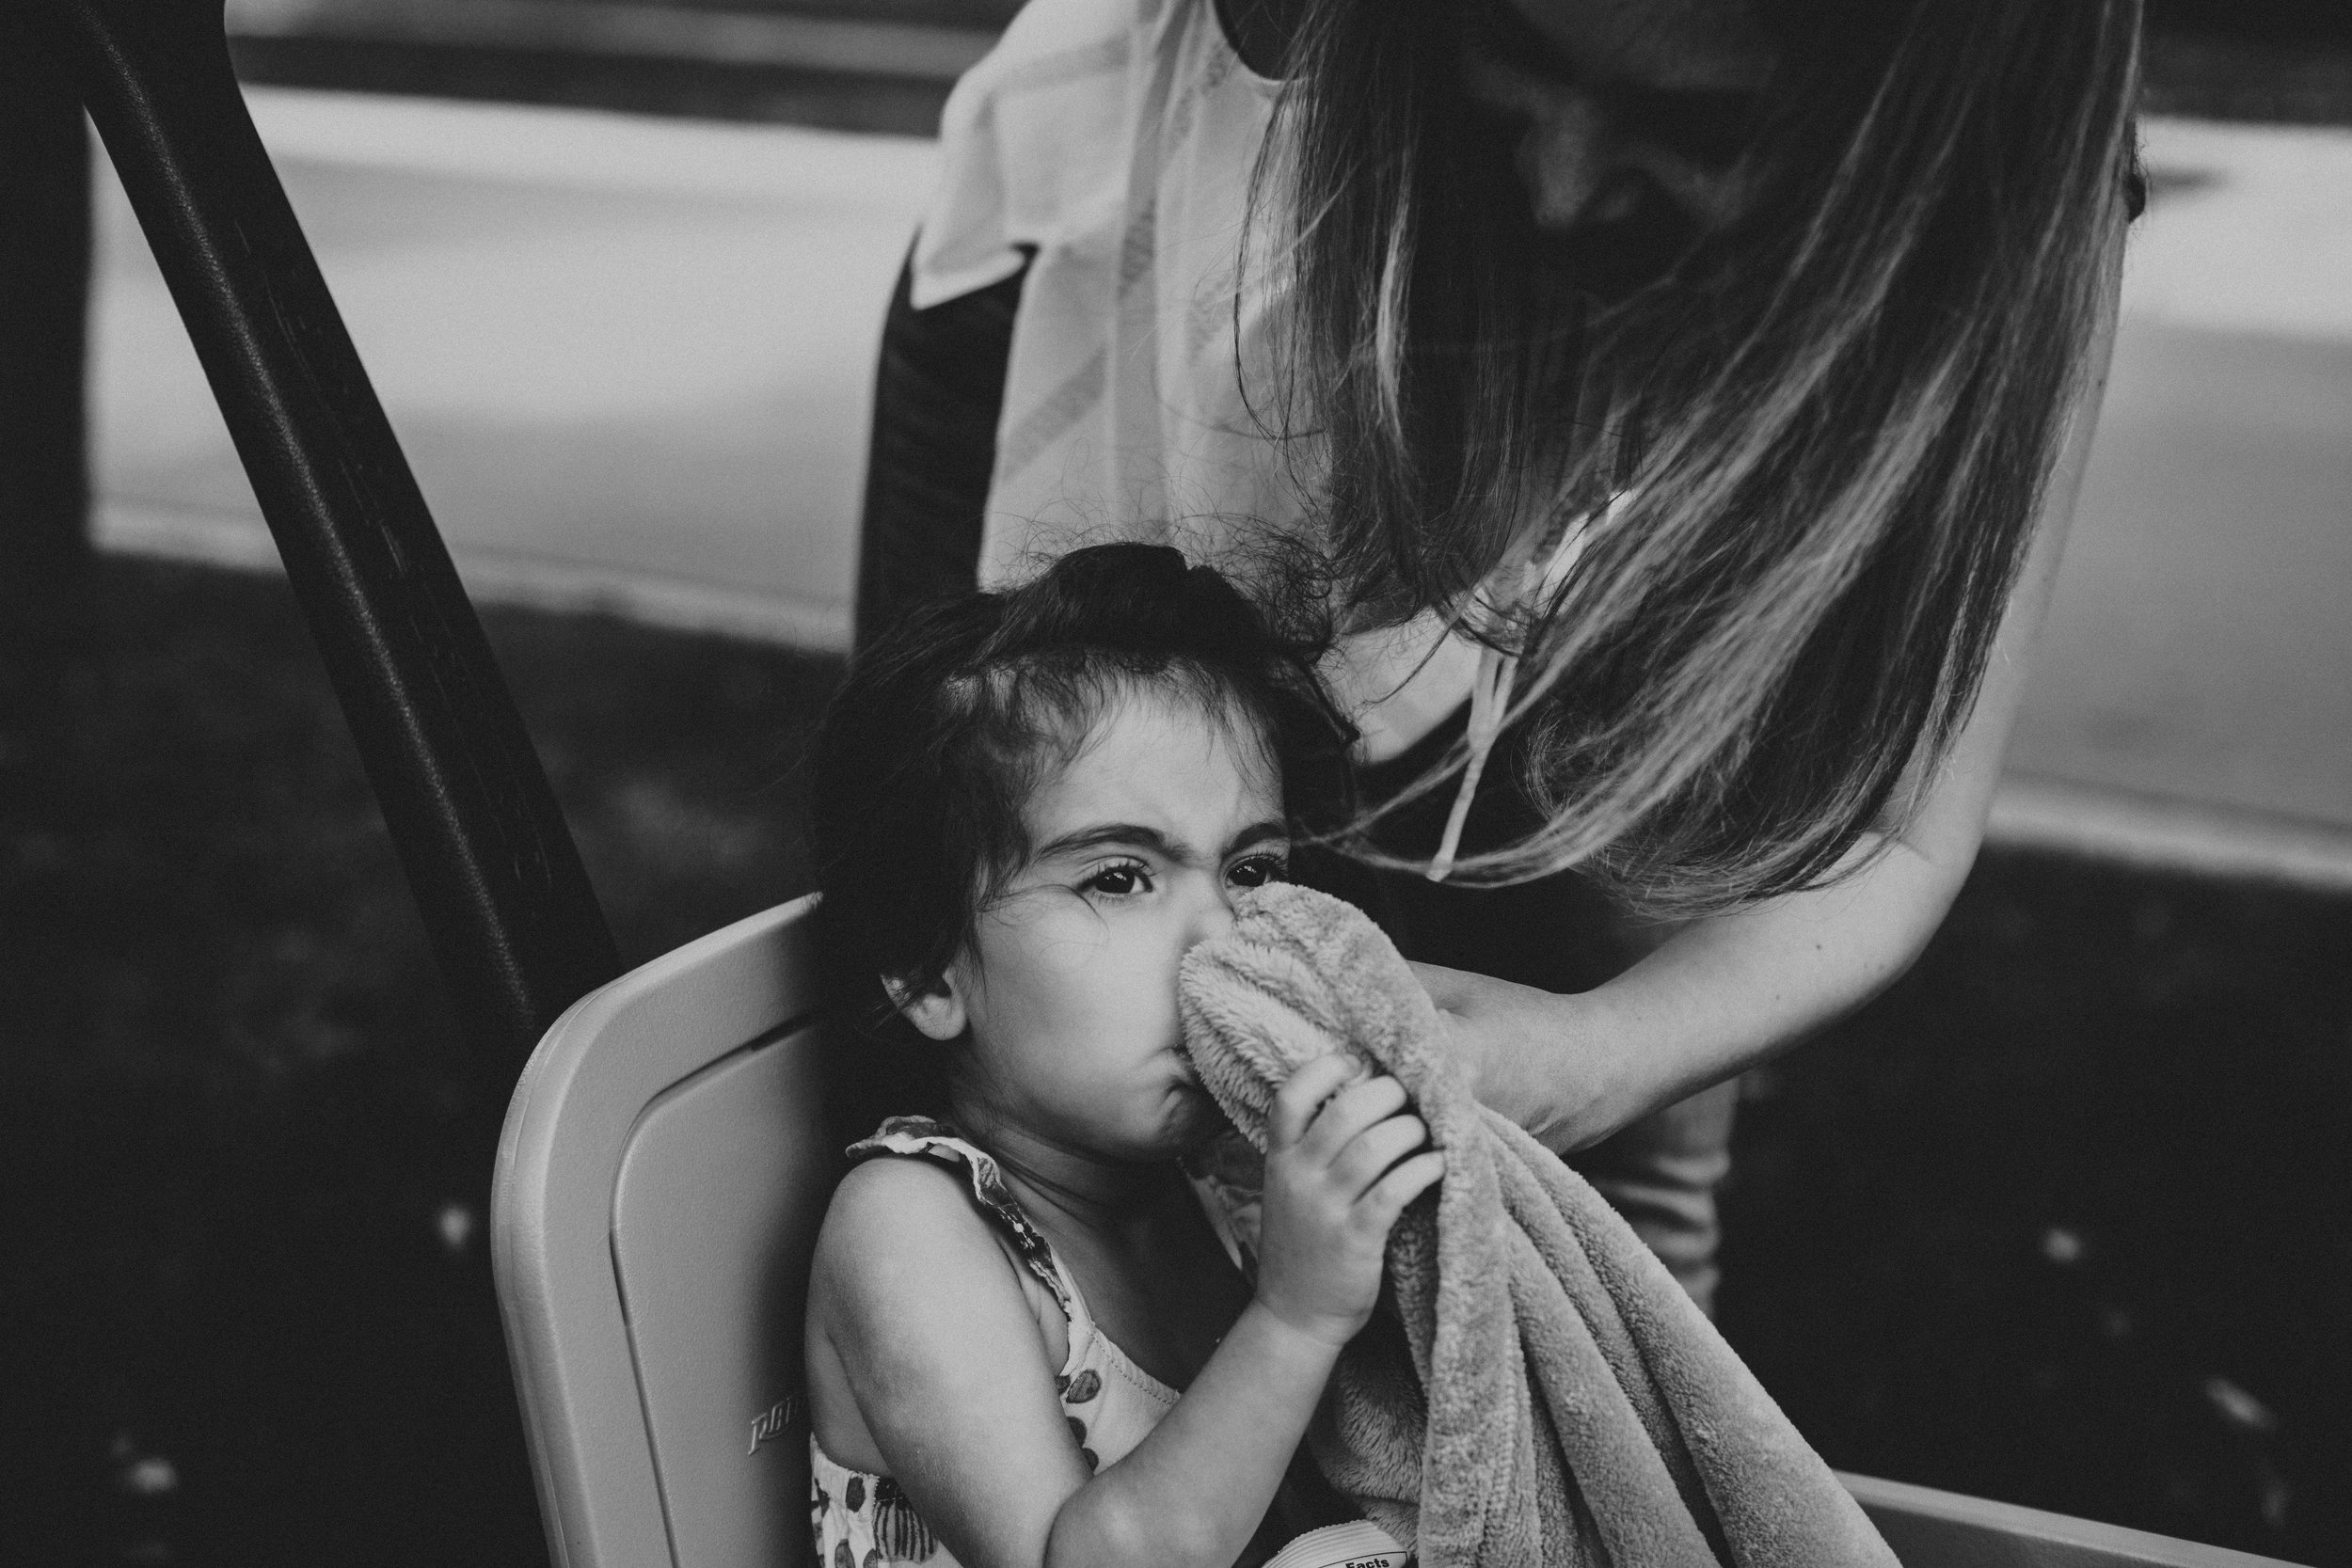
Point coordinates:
[(1110, 143), (865, 1521), (861, 1520)]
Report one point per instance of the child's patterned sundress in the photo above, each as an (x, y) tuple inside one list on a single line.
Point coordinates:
[(865, 1521)]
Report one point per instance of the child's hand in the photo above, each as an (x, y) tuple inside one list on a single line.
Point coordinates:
[(1337, 1175)]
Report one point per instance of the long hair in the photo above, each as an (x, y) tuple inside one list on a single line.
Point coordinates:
[(1828, 429)]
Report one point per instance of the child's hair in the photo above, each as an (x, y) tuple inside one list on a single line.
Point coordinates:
[(949, 722)]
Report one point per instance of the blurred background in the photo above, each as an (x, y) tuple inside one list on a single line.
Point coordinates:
[(2064, 1219)]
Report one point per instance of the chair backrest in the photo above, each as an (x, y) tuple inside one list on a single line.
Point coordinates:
[(660, 1183)]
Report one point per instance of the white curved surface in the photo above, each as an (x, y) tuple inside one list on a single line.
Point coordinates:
[(555, 1195)]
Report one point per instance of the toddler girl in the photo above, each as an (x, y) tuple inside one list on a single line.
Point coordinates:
[(1028, 1341)]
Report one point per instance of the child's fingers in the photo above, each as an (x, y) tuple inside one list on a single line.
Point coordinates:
[(1296, 1102), (1347, 1113), (1376, 1148), (1389, 1195)]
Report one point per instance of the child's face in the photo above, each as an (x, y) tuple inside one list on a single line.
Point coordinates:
[(1142, 841)]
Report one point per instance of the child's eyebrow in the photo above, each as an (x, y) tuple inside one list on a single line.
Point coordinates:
[(1132, 836), (1135, 835), (1258, 833)]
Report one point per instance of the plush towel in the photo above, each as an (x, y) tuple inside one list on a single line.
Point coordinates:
[(1536, 1388)]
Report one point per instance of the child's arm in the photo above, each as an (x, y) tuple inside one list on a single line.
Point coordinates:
[(1339, 1167), (953, 1381)]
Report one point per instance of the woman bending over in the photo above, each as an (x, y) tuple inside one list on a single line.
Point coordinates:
[(1684, 397)]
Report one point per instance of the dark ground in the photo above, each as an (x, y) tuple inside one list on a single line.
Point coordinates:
[(2066, 1218)]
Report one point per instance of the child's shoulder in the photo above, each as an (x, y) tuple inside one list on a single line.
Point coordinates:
[(906, 1230), (900, 1198), (896, 1229), (922, 1197)]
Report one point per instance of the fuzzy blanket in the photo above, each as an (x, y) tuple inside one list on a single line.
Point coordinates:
[(1536, 1388)]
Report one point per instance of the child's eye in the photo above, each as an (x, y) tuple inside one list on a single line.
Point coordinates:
[(1118, 882), (1258, 870)]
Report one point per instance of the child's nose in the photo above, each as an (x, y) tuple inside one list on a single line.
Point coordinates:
[(1214, 916)]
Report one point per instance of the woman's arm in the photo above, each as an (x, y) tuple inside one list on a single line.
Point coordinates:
[(938, 386), (1722, 993)]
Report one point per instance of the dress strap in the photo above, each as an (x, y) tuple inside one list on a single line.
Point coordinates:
[(923, 1138)]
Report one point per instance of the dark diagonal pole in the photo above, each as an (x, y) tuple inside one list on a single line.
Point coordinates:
[(45, 315), (492, 865)]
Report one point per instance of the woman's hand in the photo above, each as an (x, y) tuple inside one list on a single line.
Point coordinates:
[(1713, 998), (1539, 1057), (1339, 1167)]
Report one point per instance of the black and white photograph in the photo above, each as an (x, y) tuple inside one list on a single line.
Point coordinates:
[(1176, 784)]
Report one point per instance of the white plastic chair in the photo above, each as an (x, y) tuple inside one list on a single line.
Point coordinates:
[(660, 1183)]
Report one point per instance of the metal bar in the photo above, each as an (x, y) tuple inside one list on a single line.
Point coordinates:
[(492, 866), (45, 277)]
